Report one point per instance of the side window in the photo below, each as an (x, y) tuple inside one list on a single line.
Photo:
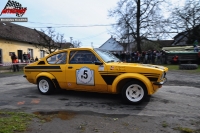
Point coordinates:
[(82, 57), (60, 58)]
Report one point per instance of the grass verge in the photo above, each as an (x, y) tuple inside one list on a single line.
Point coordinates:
[(11, 122), (185, 130)]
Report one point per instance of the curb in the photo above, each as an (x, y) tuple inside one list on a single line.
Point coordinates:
[(4, 71)]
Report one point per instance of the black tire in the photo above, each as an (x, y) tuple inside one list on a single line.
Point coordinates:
[(188, 66), (138, 90), (45, 86)]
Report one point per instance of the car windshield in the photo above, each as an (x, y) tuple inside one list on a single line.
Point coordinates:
[(107, 56)]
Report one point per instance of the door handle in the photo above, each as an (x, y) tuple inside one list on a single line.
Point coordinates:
[(70, 67)]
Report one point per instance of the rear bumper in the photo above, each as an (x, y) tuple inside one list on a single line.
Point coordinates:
[(160, 83)]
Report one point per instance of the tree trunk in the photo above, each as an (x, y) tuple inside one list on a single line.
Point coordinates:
[(138, 27)]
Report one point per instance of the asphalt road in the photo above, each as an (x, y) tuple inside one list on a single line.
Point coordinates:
[(178, 99)]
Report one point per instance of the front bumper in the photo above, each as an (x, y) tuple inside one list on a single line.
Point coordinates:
[(160, 83)]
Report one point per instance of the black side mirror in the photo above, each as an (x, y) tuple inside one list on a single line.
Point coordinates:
[(98, 63)]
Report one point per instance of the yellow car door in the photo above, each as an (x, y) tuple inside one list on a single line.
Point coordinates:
[(59, 61), (83, 74)]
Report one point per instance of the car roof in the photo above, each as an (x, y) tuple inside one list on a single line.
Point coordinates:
[(63, 50), (82, 48)]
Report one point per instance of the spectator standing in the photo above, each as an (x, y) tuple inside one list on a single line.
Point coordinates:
[(14, 61), (146, 57), (25, 57), (149, 57), (127, 57), (29, 56), (196, 46), (139, 57), (36, 58), (164, 57), (142, 56), (133, 56), (158, 57), (31, 60), (136, 56), (120, 55), (153, 57), (123, 56), (175, 59)]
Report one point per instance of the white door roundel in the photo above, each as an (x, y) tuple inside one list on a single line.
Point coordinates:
[(85, 76)]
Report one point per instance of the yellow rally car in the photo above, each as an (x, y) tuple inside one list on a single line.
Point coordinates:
[(95, 70)]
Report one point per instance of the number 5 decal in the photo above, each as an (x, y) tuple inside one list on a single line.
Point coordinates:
[(85, 76)]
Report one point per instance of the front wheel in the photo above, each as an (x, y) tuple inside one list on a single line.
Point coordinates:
[(134, 92), (45, 86)]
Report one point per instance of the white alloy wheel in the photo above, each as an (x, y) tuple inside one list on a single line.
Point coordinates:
[(43, 86), (134, 93)]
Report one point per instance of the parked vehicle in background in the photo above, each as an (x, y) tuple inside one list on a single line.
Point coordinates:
[(186, 54), (183, 57)]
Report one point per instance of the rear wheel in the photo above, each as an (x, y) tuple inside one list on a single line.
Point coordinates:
[(134, 92), (45, 86)]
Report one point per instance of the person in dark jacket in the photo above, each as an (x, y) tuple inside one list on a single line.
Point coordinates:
[(25, 57), (36, 58), (123, 56), (14, 61)]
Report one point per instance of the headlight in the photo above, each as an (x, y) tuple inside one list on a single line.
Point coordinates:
[(162, 76)]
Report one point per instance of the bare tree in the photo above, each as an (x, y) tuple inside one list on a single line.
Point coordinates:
[(186, 20), (138, 19), (49, 40), (76, 44)]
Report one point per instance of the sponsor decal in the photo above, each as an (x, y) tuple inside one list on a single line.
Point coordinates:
[(112, 68), (101, 68)]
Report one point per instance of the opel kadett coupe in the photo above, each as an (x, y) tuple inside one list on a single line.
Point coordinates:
[(95, 70)]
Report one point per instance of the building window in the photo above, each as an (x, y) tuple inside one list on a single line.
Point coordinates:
[(42, 53), (30, 52)]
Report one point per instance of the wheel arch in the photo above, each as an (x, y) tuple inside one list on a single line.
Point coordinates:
[(121, 80), (44, 74), (50, 77)]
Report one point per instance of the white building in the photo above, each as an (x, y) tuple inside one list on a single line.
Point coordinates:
[(112, 45), (115, 46)]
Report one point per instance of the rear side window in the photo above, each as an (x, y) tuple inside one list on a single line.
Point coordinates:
[(60, 58), (82, 57)]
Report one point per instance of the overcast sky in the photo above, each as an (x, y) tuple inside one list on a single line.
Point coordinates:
[(59, 13)]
